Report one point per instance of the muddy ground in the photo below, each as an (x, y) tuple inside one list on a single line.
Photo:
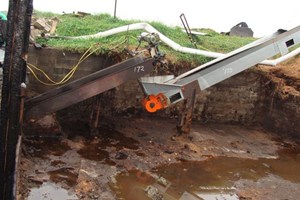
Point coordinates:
[(136, 157), (144, 158)]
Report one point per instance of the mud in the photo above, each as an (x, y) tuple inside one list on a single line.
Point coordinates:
[(217, 177), (133, 155), (145, 158)]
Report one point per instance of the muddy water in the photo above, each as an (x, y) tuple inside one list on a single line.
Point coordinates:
[(213, 178), (49, 191), (66, 175), (59, 171), (43, 147)]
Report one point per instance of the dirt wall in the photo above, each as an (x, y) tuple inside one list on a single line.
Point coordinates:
[(249, 98), (281, 107), (235, 100)]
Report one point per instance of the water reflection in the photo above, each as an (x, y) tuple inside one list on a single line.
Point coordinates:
[(50, 191)]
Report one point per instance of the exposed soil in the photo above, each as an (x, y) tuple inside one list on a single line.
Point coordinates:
[(143, 157), (287, 74), (280, 85)]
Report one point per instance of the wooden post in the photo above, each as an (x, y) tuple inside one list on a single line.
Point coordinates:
[(96, 122), (14, 73)]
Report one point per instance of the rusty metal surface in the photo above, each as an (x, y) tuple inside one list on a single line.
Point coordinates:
[(87, 87)]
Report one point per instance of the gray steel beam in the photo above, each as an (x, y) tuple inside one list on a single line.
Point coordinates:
[(241, 60), (217, 70)]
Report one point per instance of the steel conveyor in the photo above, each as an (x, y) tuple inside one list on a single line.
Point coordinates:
[(89, 86), (164, 91)]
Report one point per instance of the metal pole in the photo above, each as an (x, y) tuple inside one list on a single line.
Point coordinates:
[(187, 29), (115, 12)]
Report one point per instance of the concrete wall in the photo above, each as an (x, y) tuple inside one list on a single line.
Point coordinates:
[(57, 63)]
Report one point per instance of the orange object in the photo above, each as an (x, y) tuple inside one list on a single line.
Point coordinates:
[(153, 103)]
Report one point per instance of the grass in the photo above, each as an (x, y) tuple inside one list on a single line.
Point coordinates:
[(70, 25)]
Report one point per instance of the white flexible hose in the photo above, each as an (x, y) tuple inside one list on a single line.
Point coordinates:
[(282, 58), (147, 27)]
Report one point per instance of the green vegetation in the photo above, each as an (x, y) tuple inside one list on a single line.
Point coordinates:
[(70, 25)]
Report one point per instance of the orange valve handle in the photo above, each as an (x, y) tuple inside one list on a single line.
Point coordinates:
[(153, 103)]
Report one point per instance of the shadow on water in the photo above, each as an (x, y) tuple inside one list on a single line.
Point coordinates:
[(94, 149), (43, 147), (213, 178), (112, 138)]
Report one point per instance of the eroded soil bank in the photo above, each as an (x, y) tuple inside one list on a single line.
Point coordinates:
[(261, 96), (281, 107), (243, 145)]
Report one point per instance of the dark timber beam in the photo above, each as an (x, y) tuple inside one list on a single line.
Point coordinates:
[(14, 70)]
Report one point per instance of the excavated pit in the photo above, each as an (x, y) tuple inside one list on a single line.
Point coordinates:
[(243, 142)]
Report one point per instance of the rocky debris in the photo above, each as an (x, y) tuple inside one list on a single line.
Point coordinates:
[(46, 125), (121, 156), (240, 30), (47, 121), (41, 24), (153, 193), (42, 27), (267, 188), (78, 14), (93, 179)]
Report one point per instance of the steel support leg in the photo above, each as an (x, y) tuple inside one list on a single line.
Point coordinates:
[(185, 121)]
